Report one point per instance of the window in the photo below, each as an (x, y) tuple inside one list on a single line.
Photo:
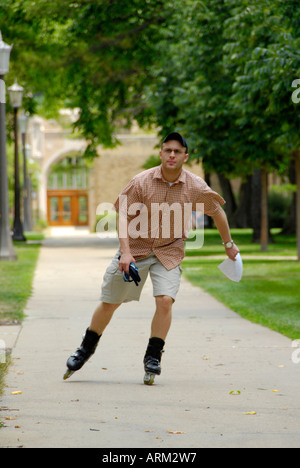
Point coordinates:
[(68, 174)]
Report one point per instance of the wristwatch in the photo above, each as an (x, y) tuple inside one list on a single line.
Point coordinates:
[(228, 245)]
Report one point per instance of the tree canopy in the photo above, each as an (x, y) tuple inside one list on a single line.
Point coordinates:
[(221, 71)]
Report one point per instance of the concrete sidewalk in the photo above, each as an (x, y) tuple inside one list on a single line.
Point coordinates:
[(217, 368)]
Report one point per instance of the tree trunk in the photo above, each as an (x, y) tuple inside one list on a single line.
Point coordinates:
[(228, 195), (264, 233), (242, 215), (289, 226), (208, 221), (297, 166), (256, 205)]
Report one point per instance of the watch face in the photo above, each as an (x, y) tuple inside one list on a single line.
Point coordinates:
[(229, 245)]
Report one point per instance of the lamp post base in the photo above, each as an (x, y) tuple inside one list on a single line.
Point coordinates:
[(7, 251), (18, 234), (9, 256)]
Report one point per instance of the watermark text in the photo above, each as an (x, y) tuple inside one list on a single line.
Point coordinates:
[(153, 221), (296, 93), (296, 352)]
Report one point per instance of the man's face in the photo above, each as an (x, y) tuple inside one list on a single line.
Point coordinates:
[(173, 155)]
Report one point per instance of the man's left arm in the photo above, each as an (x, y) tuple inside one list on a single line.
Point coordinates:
[(222, 225)]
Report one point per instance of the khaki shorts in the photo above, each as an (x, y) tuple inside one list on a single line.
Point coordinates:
[(116, 291)]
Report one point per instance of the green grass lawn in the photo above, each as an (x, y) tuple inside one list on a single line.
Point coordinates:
[(282, 245), (269, 293), (16, 286), (16, 281)]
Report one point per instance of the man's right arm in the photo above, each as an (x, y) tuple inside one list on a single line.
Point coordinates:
[(126, 257)]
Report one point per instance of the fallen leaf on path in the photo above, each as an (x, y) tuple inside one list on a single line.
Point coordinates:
[(175, 432), (9, 419), (250, 413), (235, 392), (275, 391), (17, 392)]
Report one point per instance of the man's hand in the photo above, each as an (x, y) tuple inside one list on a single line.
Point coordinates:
[(232, 252), (125, 261)]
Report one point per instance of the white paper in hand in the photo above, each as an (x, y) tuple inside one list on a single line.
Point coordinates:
[(232, 269)]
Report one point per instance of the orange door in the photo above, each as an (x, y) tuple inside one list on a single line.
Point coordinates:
[(60, 211), (67, 209)]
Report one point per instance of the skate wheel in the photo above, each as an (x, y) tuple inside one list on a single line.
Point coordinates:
[(68, 374), (149, 379)]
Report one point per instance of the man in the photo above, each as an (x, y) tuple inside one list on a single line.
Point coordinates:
[(155, 247)]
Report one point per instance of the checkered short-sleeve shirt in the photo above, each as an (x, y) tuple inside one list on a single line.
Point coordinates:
[(157, 213)]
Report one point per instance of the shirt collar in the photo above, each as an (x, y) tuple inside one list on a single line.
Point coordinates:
[(158, 175)]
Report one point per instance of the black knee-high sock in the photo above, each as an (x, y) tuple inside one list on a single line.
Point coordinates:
[(155, 348)]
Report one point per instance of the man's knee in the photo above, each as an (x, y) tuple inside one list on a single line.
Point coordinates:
[(164, 303)]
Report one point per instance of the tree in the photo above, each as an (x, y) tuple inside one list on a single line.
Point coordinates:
[(266, 60)]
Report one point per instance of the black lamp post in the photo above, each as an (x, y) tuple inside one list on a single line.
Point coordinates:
[(7, 251), (16, 94)]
